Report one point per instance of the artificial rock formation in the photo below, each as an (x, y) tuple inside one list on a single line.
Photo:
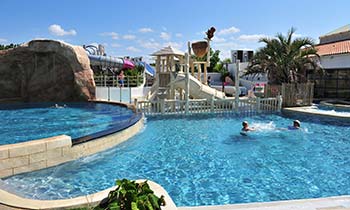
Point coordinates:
[(46, 70)]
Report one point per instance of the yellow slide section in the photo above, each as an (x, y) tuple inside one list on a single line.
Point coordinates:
[(197, 89)]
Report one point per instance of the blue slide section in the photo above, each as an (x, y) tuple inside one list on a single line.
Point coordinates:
[(149, 69)]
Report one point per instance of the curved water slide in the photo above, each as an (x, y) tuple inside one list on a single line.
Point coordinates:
[(109, 61), (197, 89)]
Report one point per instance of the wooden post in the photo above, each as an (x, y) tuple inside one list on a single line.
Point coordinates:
[(212, 104), (258, 104), (187, 82), (157, 69), (192, 68), (199, 67), (279, 101), (105, 83), (205, 80), (136, 105), (162, 106), (283, 91), (237, 86)]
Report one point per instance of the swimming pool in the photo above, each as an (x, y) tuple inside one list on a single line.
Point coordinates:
[(203, 160), (24, 122)]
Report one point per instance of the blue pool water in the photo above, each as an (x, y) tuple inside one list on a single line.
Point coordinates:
[(25, 122), (205, 161)]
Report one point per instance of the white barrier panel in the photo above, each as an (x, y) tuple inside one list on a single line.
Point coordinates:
[(102, 93), (118, 94)]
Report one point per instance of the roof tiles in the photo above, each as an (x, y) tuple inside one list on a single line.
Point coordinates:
[(342, 47)]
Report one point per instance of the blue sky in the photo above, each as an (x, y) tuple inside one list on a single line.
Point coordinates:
[(138, 28)]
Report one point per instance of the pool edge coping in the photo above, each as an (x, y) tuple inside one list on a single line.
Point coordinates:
[(311, 203), (15, 201), (43, 153), (306, 110)]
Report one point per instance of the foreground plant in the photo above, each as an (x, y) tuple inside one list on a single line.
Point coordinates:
[(130, 195)]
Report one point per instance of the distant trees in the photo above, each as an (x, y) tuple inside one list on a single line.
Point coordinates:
[(5, 47), (284, 59)]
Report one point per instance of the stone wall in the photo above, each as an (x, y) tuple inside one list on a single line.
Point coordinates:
[(46, 70), (38, 154)]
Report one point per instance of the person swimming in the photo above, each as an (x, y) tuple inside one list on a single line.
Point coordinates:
[(246, 128), (59, 107), (296, 125)]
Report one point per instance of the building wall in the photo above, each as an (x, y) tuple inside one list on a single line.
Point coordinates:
[(335, 81), (341, 61)]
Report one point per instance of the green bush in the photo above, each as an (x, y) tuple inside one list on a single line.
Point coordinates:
[(130, 195)]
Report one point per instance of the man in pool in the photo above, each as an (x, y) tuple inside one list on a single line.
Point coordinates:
[(246, 127), (296, 125)]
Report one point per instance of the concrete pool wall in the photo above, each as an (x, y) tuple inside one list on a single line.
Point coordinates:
[(43, 153), (12, 201)]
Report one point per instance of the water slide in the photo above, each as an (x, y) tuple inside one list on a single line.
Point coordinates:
[(148, 68), (109, 61), (197, 89)]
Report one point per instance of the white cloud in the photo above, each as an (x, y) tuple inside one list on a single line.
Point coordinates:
[(227, 31), (218, 39), (176, 45), (94, 44), (252, 37), (149, 44), (149, 59), (164, 28), (179, 35), (201, 33), (225, 48), (145, 30), (57, 30), (295, 35), (113, 35), (133, 49), (165, 36), (115, 45), (2, 40), (129, 37)]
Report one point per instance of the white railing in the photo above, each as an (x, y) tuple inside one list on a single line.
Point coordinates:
[(113, 81), (248, 105)]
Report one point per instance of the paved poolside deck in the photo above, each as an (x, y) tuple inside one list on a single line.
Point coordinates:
[(329, 203), (310, 110)]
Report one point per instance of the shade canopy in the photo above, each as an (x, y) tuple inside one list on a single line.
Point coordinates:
[(168, 51)]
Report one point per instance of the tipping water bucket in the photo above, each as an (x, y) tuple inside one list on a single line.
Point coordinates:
[(200, 48)]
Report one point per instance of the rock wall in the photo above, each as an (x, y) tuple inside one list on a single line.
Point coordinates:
[(46, 70)]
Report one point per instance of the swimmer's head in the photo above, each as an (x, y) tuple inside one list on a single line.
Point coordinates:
[(244, 123), (296, 123)]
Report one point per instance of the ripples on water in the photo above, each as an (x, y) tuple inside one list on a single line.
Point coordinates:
[(205, 161)]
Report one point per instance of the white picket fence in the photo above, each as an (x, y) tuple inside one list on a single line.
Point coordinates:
[(248, 105)]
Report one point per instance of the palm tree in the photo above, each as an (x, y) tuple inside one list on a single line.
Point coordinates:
[(284, 59)]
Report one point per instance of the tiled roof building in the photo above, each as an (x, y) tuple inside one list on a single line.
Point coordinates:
[(334, 51)]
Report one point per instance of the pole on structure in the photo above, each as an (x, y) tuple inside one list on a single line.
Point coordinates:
[(187, 90), (208, 53), (237, 85)]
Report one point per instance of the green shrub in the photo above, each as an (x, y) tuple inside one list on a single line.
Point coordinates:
[(130, 195)]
